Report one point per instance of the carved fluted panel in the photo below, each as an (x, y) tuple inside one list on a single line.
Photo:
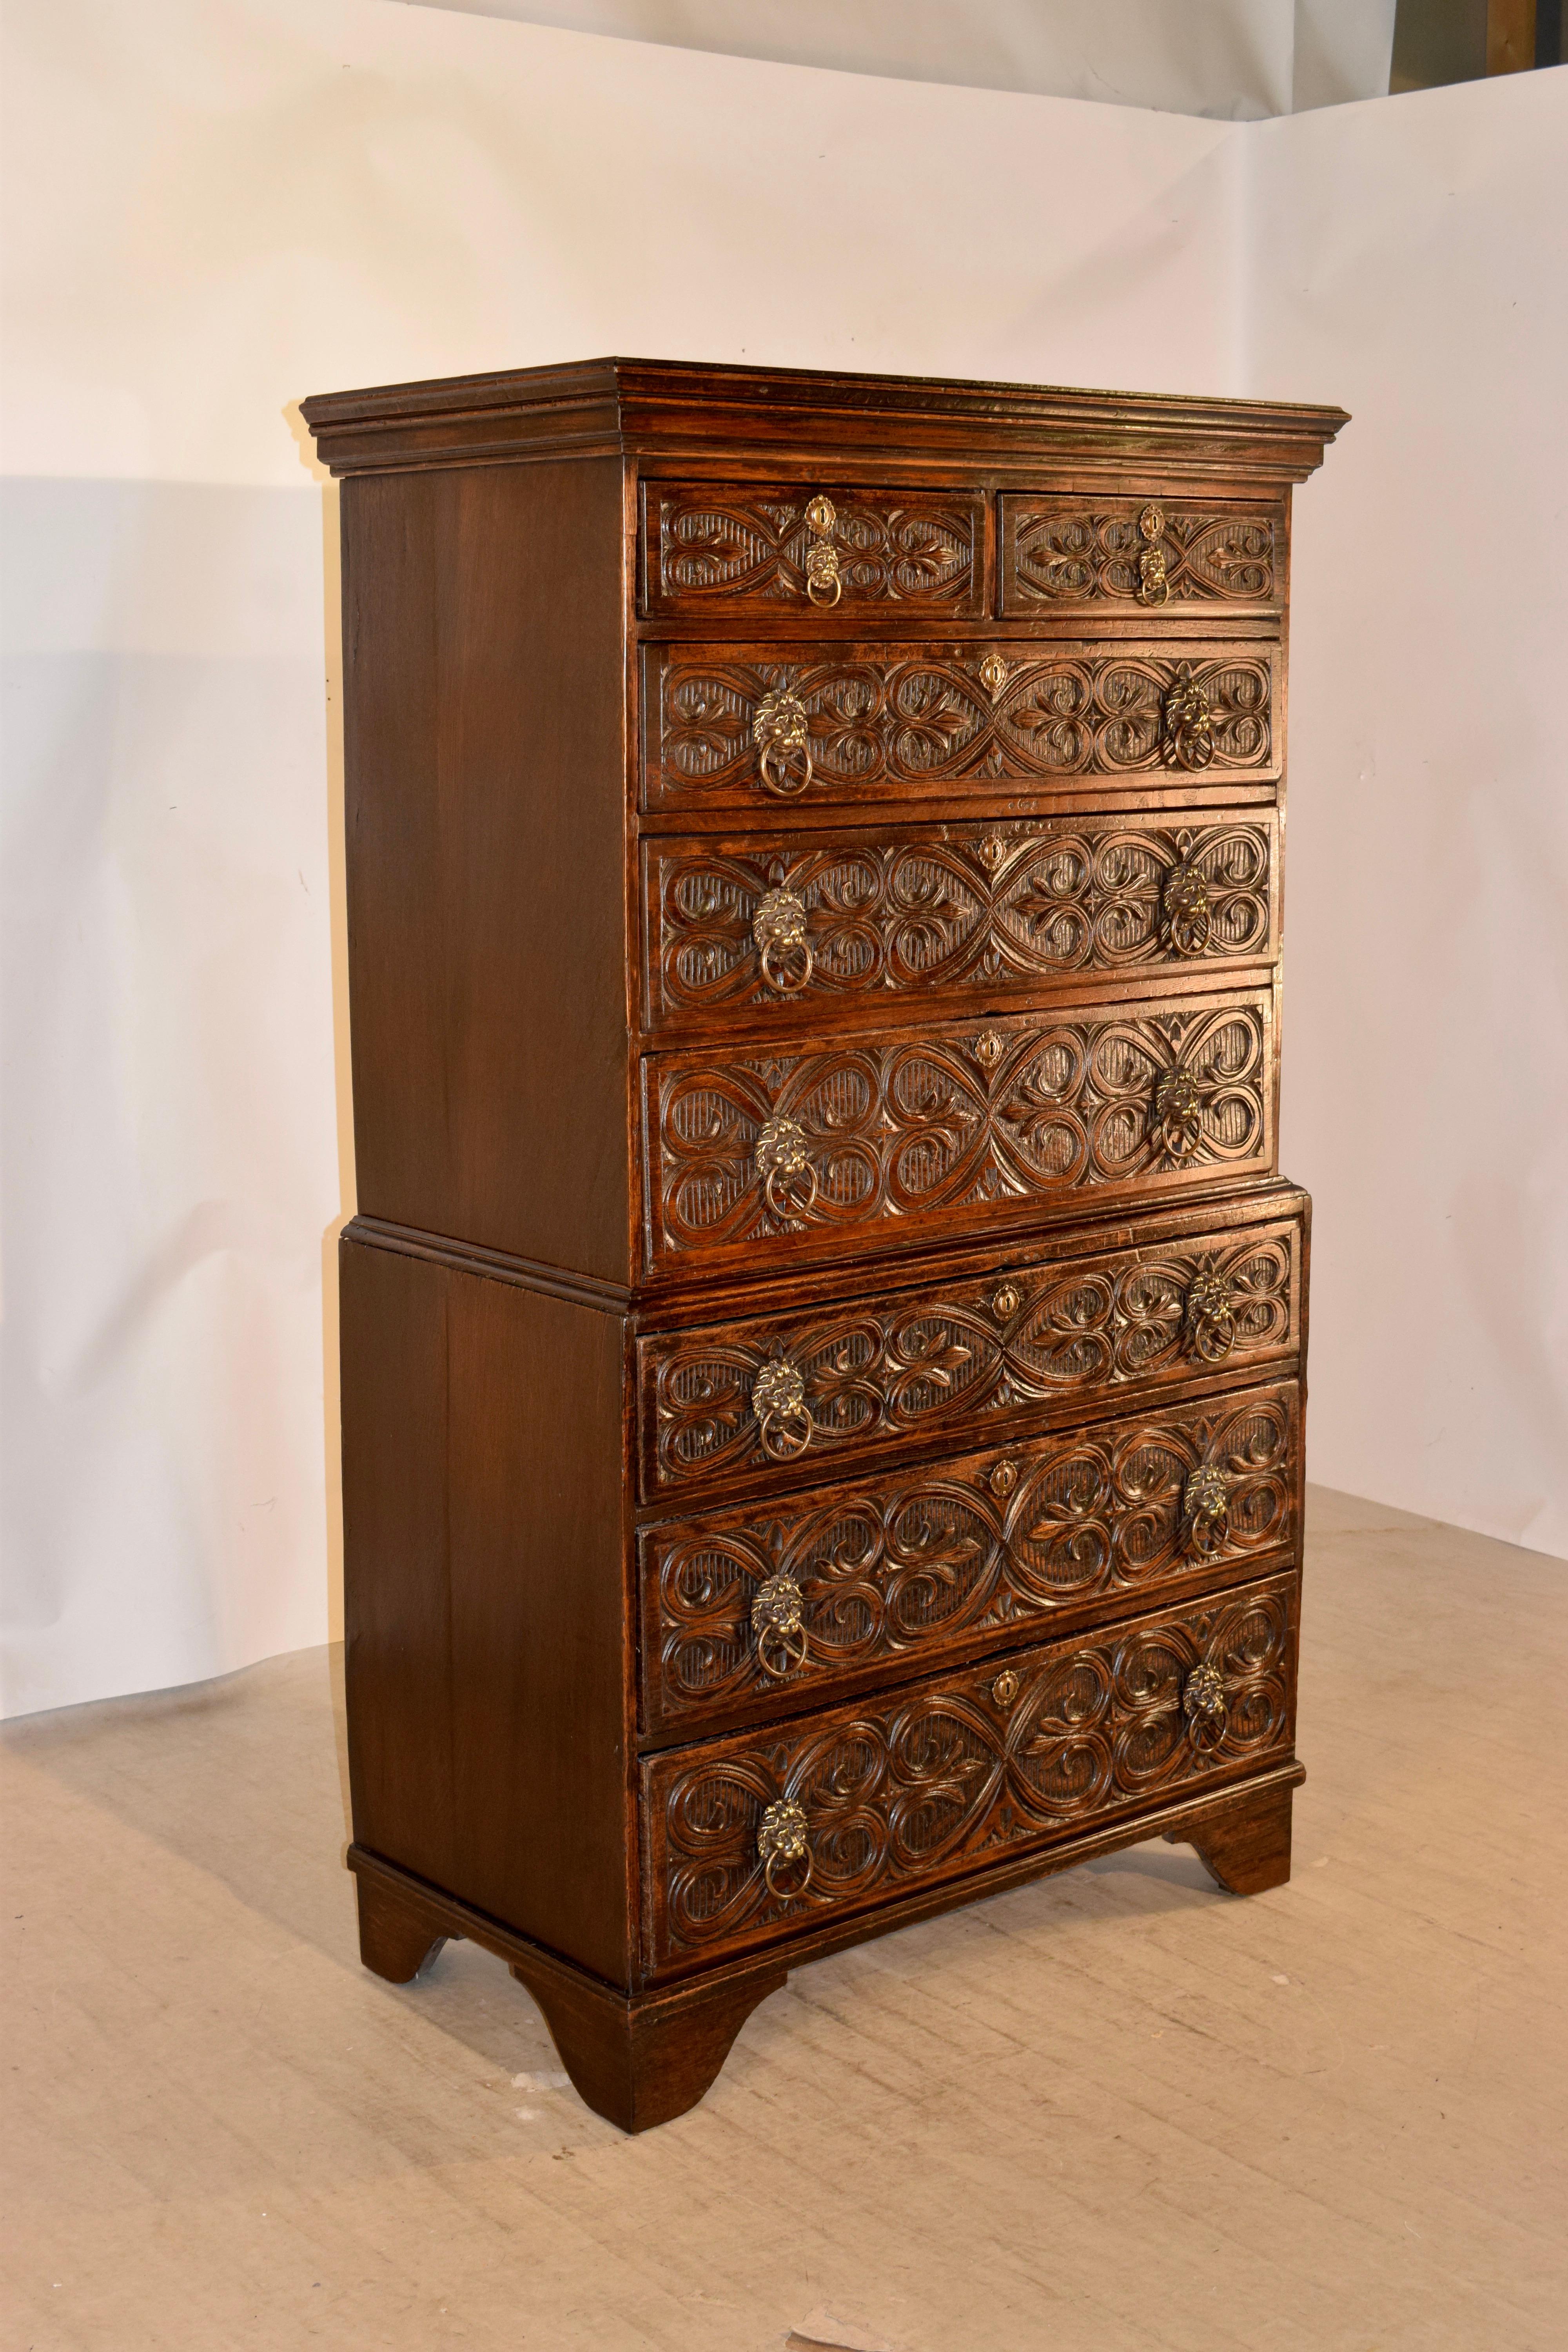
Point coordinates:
[(965, 1359), (720, 547), (963, 909), (980, 1119), (905, 719), (1060, 551), (964, 1769), (896, 1568)]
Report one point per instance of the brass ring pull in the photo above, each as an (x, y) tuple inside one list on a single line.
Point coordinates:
[(1187, 722), (823, 584), (1154, 580), (778, 1621), (784, 1417), (1208, 1317), (1178, 1121), (1202, 1704), (781, 1843), (784, 1163), (779, 927), (1205, 1511), (1184, 905), (778, 728)]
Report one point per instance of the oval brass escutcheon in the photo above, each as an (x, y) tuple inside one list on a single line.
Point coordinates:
[(1003, 1478), (1006, 1688)]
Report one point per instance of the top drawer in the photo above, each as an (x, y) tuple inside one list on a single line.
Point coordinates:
[(1062, 550), (733, 547)]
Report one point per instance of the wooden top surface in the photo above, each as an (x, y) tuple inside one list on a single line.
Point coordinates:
[(655, 408)]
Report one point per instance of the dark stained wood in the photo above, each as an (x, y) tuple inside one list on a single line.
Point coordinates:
[(1246, 1848), (913, 922), (900, 726), (943, 1776), (485, 787), (485, 1609), (940, 1563), (1038, 652), (1038, 1341)]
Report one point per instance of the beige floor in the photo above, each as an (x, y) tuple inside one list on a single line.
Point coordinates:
[(1114, 2113)]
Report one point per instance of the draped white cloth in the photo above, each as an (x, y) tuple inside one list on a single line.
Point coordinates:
[(219, 206)]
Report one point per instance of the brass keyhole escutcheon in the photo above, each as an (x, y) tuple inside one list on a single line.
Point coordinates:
[(823, 584), (1154, 579), (1006, 1688), (1003, 1478), (1006, 1302)]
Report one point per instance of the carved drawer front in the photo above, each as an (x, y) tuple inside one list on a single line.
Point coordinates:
[(748, 1609), (979, 1124), (770, 1833), (803, 727), (764, 923), (966, 1362), (804, 549), (1151, 555)]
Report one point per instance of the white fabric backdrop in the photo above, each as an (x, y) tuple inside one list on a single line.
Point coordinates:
[(229, 205)]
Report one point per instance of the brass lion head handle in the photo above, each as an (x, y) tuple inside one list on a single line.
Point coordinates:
[(823, 584), (1184, 911), (782, 1845), (1208, 1317), (782, 1156), (1154, 579), (1177, 1127), (779, 727), (784, 1417), (1202, 1704), (783, 952), (1187, 726), (778, 1626), (1205, 1511)]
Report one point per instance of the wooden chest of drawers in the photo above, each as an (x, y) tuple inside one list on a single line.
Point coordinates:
[(824, 1335)]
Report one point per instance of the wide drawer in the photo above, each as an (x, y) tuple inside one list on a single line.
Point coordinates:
[(807, 550), (971, 1359), (767, 1834), (789, 1154), (764, 923), (781, 1602), (752, 725), (1147, 554)]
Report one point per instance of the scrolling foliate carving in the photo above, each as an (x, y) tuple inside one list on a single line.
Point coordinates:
[(1066, 553), (941, 1362), (901, 1565), (881, 718), (935, 1779), (948, 1119), (710, 544), (975, 907)]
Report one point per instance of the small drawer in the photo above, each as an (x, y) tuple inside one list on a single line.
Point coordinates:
[(779, 1830), (817, 1150), (807, 550), (810, 726), (975, 1361), (783, 1602), (1151, 555), (786, 924)]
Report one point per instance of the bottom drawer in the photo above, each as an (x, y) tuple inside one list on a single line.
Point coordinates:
[(756, 1837)]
